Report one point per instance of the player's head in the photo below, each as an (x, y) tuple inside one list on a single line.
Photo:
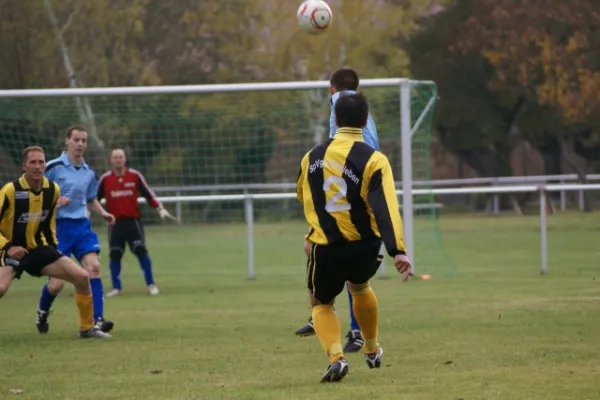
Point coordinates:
[(352, 111), (34, 163), (118, 159), (343, 79), (76, 141)]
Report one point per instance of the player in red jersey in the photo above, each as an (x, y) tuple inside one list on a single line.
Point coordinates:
[(121, 188)]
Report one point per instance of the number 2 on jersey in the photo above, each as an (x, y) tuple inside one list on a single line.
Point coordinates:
[(331, 205)]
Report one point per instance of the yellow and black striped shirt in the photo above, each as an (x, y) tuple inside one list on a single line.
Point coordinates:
[(348, 193), (27, 217)]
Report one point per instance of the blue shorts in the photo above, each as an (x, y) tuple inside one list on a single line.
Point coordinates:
[(75, 237)]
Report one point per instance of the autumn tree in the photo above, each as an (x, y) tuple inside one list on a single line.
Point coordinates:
[(548, 53), (473, 121)]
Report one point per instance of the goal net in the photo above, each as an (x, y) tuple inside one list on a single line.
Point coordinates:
[(225, 139)]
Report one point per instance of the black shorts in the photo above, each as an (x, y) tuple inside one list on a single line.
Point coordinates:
[(329, 267), (34, 262), (126, 231)]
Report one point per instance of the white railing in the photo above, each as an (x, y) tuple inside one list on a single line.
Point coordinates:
[(503, 180), (497, 181), (249, 200)]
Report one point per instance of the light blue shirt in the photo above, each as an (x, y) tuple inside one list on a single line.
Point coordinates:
[(77, 183), (369, 131)]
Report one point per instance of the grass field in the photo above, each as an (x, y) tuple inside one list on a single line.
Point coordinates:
[(496, 330)]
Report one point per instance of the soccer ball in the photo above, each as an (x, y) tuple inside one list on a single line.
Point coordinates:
[(314, 16)]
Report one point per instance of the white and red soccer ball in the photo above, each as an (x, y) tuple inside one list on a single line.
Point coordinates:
[(314, 16)]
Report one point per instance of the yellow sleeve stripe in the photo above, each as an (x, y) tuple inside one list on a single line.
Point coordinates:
[(384, 204)]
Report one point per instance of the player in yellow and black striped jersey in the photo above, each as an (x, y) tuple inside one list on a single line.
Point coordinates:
[(27, 218), (350, 204), (28, 237), (349, 196)]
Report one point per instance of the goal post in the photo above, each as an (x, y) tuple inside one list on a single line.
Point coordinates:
[(227, 139)]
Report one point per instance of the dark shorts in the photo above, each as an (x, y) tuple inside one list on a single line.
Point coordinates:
[(329, 267), (34, 262), (126, 231)]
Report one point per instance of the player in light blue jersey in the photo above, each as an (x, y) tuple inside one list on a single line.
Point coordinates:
[(369, 132), (78, 185), (346, 80)]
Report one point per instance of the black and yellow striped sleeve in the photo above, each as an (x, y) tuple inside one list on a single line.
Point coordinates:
[(5, 203), (301, 177), (53, 239), (383, 201)]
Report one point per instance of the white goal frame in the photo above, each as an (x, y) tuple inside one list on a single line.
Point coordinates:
[(407, 128)]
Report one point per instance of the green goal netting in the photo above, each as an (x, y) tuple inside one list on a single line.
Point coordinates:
[(199, 144)]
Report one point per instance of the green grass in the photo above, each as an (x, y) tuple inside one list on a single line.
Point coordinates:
[(496, 330)]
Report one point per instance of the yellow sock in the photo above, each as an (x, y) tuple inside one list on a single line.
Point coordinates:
[(366, 312), (328, 329), (86, 310)]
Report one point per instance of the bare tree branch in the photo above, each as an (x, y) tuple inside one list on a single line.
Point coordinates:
[(70, 19)]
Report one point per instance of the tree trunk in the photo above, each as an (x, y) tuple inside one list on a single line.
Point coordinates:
[(578, 170), (551, 153)]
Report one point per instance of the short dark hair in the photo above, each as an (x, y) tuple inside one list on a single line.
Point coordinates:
[(351, 110), (75, 128), (31, 149), (344, 79)]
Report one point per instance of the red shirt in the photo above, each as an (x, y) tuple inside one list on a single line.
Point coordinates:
[(122, 192)]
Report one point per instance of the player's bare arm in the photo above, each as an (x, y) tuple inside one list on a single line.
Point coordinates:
[(95, 206)]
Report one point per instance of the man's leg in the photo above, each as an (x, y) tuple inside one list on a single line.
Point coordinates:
[(138, 247), (355, 340), (354, 336), (114, 265), (87, 252), (325, 284), (366, 308), (65, 269), (327, 328), (146, 266), (308, 329), (49, 292), (353, 323), (91, 263), (367, 313), (7, 274), (117, 248), (54, 286)]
